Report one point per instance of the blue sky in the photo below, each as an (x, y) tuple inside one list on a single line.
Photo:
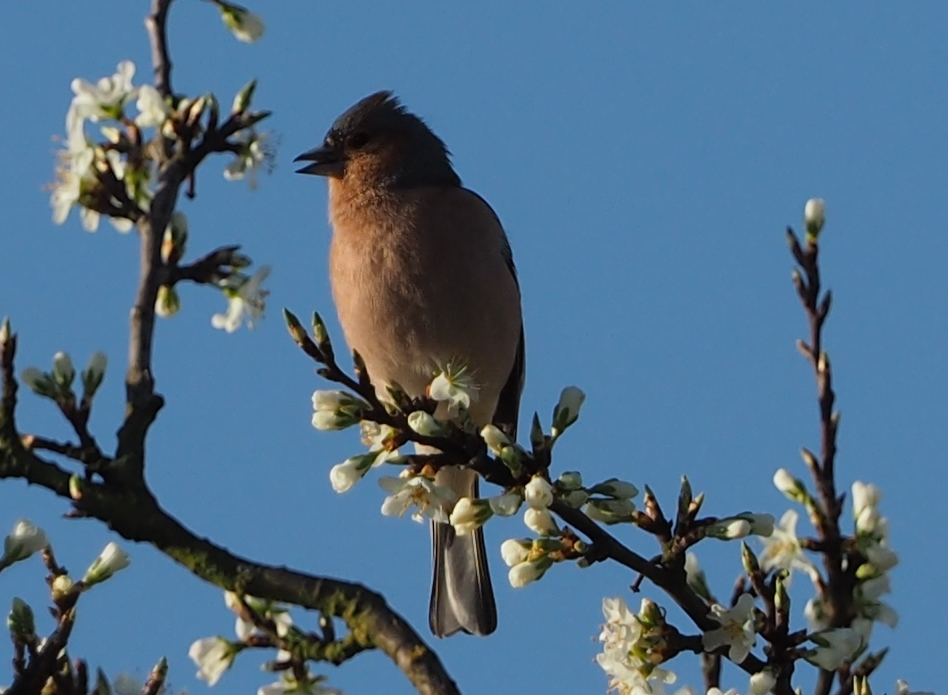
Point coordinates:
[(645, 160)]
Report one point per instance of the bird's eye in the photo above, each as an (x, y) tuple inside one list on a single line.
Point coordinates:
[(357, 141)]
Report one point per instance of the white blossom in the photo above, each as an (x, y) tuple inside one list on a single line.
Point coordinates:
[(455, 386), (902, 688), (105, 99), (244, 628), (834, 647), (737, 629), (782, 549), (247, 163), (213, 656), (416, 491), (632, 646), (153, 110), (245, 300), (313, 685)]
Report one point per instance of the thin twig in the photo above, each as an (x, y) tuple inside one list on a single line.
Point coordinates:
[(157, 23)]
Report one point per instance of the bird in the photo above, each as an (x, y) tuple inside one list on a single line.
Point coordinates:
[(422, 276)]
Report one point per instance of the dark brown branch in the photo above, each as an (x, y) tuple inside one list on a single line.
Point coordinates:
[(838, 590), (157, 23)]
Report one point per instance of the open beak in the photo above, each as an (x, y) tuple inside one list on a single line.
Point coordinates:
[(326, 161)]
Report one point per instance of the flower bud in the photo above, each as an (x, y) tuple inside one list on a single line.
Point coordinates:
[(62, 586), (243, 98), (541, 522), (20, 622), (526, 572), (506, 504), (344, 475), (538, 493), (5, 331), (515, 551), (39, 382), (570, 480), (749, 559), (93, 375), (567, 409), (615, 488), (760, 524), (762, 682), (244, 25), (575, 498), (814, 216), (537, 437), (469, 515), (426, 425), (729, 529), (610, 511), (320, 332), (111, 560), (791, 487), (168, 303), (495, 439), (336, 410), (63, 371), (25, 540), (175, 239)]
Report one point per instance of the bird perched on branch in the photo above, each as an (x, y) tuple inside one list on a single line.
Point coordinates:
[(423, 277)]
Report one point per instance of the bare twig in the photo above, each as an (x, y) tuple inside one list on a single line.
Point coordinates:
[(157, 23), (840, 582)]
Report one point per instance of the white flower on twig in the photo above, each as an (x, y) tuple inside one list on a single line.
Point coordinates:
[(213, 656), (429, 499), (782, 549), (246, 300), (737, 629)]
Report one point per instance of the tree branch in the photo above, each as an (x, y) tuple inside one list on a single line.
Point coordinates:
[(156, 24)]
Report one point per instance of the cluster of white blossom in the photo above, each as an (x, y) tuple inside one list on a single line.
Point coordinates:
[(113, 173), (215, 655), (871, 543)]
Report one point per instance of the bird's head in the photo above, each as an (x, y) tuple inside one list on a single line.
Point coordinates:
[(378, 143)]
